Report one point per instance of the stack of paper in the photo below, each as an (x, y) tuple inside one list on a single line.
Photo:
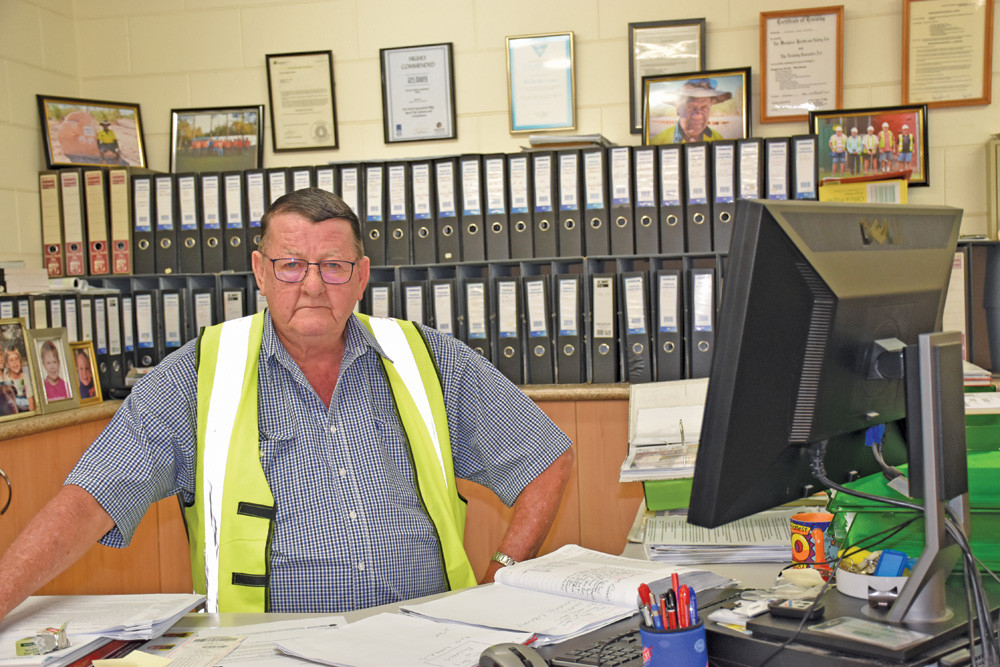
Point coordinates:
[(760, 538)]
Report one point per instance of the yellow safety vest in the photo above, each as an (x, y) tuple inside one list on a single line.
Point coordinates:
[(230, 523)]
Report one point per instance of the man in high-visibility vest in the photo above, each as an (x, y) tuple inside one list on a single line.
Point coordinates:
[(886, 148), (869, 143), (904, 147), (330, 444), (838, 149)]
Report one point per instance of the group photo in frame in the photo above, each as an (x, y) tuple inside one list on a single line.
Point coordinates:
[(696, 106), (418, 93), (80, 133), (217, 139), (868, 142), (303, 106), (541, 88), (57, 382), (661, 47), (18, 386), (87, 377)]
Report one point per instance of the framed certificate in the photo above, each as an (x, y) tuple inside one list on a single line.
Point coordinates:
[(303, 110), (801, 62), (661, 47), (541, 93), (418, 93), (947, 52)]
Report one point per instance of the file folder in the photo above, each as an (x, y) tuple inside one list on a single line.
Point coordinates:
[(497, 220), (397, 235), (254, 185), (233, 303), (596, 234), (444, 306), (128, 333), (324, 178), (544, 220), (51, 214), (86, 302), (449, 247), (147, 328), (172, 314), (95, 196), (379, 301), (805, 166), (189, 233), (277, 184), (74, 237), (236, 255), (212, 245), (750, 157), (424, 230), (374, 218), (635, 317), (509, 358), (724, 193), (101, 355), (473, 242), (776, 167), (669, 316), (477, 324), (300, 178), (570, 365), (351, 187), (538, 330), (70, 316), (622, 224), (603, 329), (414, 301), (570, 234), (202, 308), (120, 221), (646, 217), (39, 311), (698, 208), (165, 235), (24, 311), (701, 335), (7, 304), (116, 366), (672, 197), (53, 303), (521, 234)]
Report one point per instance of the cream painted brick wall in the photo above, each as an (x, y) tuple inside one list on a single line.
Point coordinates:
[(170, 54)]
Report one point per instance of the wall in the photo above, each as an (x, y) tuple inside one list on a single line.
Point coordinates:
[(167, 54)]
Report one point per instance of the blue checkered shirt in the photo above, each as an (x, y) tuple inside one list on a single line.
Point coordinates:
[(350, 530)]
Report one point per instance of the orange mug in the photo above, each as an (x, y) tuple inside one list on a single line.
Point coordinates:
[(811, 540)]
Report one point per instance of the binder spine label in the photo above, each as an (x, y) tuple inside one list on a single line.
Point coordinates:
[(604, 309), (186, 199), (446, 190), (537, 311), (476, 302), (645, 187), (543, 176), (568, 197), (421, 174), (397, 192), (635, 313), (507, 315), (670, 178), (519, 186), (697, 162), (373, 195), (750, 170), (702, 306), (569, 306), (471, 200), (495, 204), (442, 309), (669, 289), (593, 176), (620, 181), (725, 158), (349, 189)]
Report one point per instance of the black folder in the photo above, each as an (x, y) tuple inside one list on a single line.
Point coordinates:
[(166, 224), (805, 166), (750, 168), (324, 177), (570, 234), (669, 300), (53, 304), (697, 205), (475, 318), (671, 163), (374, 217), (776, 167), (70, 310), (444, 306), (172, 318), (603, 315), (202, 309), (128, 333), (570, 365), (380, 299), (100, 339), (620, 181), (544, 220), (471, 218), (235, 255), (116, 364), (635, 325), (233, 302), (144, 256), (300, 178), (506, 309), (189, 243), (255, 194), (701, 321), (646, 218), (497, 220), (449, 248), (277, 184), (212, 245), (723, 193), (424, 229), (538, 330), (351, 188), (147, 328), (414, 298), (400, 214), (521, 233), (594, 171)]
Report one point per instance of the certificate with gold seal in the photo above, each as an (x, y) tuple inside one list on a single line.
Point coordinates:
[(303, 113)]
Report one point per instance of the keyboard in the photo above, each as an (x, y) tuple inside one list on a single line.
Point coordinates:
[(622, 650)]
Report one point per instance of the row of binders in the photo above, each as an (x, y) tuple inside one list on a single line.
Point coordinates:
[(602, 201)]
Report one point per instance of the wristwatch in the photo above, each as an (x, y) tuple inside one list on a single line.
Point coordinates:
[(503, 559)]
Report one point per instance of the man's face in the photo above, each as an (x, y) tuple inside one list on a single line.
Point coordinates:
[(693, 113), (311, 311)]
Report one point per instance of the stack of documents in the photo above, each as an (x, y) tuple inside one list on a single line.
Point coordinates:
[(664, 429), (760, 538)]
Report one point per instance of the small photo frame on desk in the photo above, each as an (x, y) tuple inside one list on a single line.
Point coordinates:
[(81, 133), (217, 139), (57, 387), (696, 106), (17, 379), (87, 377)]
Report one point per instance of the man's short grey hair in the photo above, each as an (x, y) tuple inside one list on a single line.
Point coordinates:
[(317, 205)]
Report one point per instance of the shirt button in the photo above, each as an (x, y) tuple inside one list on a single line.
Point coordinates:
[(352, 514), (333, 429), (343, 472), (361, 566)]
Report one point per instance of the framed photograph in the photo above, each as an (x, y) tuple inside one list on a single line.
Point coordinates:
[(661, 47), (57, 383), (868, 142), (17, 380), (947, 52), (696, 106), (217, 139), (88, 381), (303, 106), (801, 62), (418, 93), (79, 133), (541, 93)]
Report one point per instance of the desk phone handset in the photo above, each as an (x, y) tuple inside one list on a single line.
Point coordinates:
[(510, 654)]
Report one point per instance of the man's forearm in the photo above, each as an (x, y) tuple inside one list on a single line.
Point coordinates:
[(534, 512), (54, 539)]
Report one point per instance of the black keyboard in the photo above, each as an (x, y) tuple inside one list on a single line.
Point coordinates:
[(623, 650)]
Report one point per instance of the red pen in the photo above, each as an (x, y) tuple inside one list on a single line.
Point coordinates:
[(683, 600), (675, 583), (664, 616)]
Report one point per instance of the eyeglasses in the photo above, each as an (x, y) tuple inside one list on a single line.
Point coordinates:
[(293, 270)]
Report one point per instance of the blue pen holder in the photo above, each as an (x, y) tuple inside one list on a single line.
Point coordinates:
[(674, 648)]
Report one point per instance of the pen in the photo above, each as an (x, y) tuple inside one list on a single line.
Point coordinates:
[(657, 619), (671, 609), (675, 582), (683, 600), (645, 603), (693, 607), (664, 620)]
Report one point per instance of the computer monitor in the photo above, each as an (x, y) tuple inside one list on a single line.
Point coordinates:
[(809, 288)]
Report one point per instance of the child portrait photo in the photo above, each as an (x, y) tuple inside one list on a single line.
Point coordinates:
[(86, 372), (57, 381), (17, 388)]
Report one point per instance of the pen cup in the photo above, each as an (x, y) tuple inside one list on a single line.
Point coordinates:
[(674, 648)]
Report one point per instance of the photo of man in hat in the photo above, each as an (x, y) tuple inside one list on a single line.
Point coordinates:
[(107, 144), (695, 100)]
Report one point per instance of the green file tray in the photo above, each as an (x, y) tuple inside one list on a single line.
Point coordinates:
[(667, 494)]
